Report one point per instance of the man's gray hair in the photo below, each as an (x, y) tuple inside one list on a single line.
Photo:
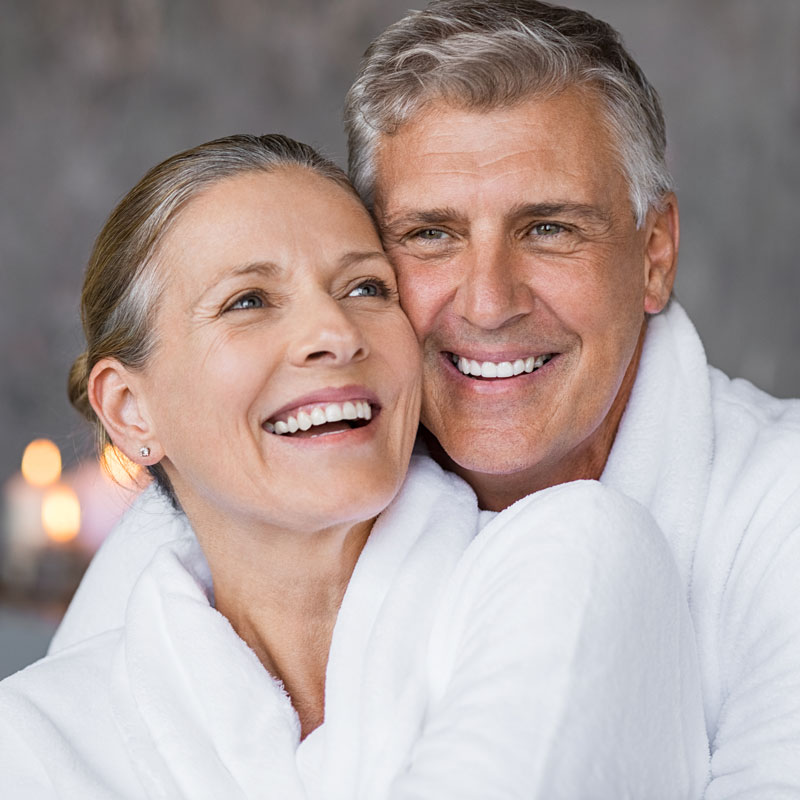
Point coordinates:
[(489, 55)]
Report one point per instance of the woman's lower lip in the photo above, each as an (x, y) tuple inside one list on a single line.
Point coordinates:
[(350, 436)]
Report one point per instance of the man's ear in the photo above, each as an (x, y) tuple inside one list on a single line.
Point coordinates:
[(662, 232), (114, 392)]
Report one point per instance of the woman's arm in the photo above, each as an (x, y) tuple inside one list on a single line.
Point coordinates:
[(562, 662)]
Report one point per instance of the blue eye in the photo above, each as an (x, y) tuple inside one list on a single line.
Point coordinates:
[(373, 287), (370, 288), (546, 229), (246, 302)]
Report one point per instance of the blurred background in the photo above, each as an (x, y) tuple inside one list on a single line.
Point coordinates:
[(94, 92)]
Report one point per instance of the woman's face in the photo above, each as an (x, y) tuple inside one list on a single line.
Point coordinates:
[(280, 312)]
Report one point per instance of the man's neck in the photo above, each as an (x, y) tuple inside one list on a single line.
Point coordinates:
[(497, 491)]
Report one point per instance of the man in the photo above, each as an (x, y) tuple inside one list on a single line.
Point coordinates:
[(513, 156)]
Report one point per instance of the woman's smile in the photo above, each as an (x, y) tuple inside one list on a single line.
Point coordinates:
[(328, 411)]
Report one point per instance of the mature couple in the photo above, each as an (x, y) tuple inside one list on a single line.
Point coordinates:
[(292, 615)]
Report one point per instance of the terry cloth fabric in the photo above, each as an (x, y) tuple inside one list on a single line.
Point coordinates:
[(528, 661), (717, 463)]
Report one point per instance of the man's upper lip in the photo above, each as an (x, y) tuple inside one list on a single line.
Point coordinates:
[(330, 394), (501, 355)]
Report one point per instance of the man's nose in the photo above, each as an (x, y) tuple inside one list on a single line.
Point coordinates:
[(325, 334), (493, 291)]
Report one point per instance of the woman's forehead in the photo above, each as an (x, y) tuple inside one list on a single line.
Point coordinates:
[(281, 220)]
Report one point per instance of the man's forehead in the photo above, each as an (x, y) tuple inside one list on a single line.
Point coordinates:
[(542, 150)]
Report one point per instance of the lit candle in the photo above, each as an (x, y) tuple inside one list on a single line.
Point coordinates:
[(23, 493)]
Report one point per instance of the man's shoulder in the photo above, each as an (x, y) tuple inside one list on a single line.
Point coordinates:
[(756, 463), (741, 399), (763, 430)]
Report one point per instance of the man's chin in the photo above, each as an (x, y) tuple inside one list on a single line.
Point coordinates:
[(483, 452)]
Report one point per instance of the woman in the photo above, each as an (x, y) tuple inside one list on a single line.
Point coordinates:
[(246, 344)]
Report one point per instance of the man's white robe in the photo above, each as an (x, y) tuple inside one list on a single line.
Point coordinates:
[(717, 463)]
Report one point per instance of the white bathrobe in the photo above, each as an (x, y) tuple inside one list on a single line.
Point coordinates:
[(717, 463), (527, 661)]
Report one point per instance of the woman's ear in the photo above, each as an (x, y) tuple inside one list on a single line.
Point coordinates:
[(115, 394), (661, 254)]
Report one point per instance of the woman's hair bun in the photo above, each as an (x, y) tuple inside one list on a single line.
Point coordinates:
[(78, 387)]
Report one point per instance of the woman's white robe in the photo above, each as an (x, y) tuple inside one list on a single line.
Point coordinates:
[(525, 661)]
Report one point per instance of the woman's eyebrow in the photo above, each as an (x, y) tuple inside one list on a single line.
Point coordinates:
[(357, 256), (266, 269)]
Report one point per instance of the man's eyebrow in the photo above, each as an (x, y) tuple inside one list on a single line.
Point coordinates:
[(422, 216), (581, 211), (439, 216)]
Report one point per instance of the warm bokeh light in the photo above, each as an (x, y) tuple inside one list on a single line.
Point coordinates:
[(41, 463), (119, 467), (61, 514)]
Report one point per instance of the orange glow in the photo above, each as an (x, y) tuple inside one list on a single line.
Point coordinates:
[(41, 463), (119, 467), (61, 514)]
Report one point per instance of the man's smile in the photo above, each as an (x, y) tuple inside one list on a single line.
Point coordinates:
[(498, 369)]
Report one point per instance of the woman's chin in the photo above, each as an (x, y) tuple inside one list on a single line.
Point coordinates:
[(352, 497), (326, 493)]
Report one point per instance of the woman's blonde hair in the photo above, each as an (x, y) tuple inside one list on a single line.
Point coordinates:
[(122, 286)]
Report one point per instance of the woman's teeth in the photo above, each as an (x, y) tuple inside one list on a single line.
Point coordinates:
[(321, 415), (498, 369)]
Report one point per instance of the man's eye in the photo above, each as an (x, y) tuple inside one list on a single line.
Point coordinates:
[(546, 229), (430, 235), (246, 302), (371, 288)]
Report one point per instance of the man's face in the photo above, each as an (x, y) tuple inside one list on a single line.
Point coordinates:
[(525, 277)]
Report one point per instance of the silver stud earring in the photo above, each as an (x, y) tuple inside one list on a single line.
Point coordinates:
[(144, 452)]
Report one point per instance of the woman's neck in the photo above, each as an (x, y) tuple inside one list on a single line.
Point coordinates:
[(282, 591)]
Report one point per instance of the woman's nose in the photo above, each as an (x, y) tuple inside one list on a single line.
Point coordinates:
[(327, 334)]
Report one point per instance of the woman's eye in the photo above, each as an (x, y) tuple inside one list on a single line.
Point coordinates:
[(371, 288), (246, 302), (546, 229)]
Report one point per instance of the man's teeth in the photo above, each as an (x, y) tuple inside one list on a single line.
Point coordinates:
[(332, 412), (498, 369)]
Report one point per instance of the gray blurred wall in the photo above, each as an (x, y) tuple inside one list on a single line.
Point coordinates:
[(93, 92)]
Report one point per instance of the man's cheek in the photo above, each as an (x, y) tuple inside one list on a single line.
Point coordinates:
[(418, 298)]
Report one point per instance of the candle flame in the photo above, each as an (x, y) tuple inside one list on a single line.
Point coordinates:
[(61, 514), (41, 463)]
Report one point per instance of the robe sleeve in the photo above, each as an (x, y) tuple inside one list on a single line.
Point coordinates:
[(563, 662)]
